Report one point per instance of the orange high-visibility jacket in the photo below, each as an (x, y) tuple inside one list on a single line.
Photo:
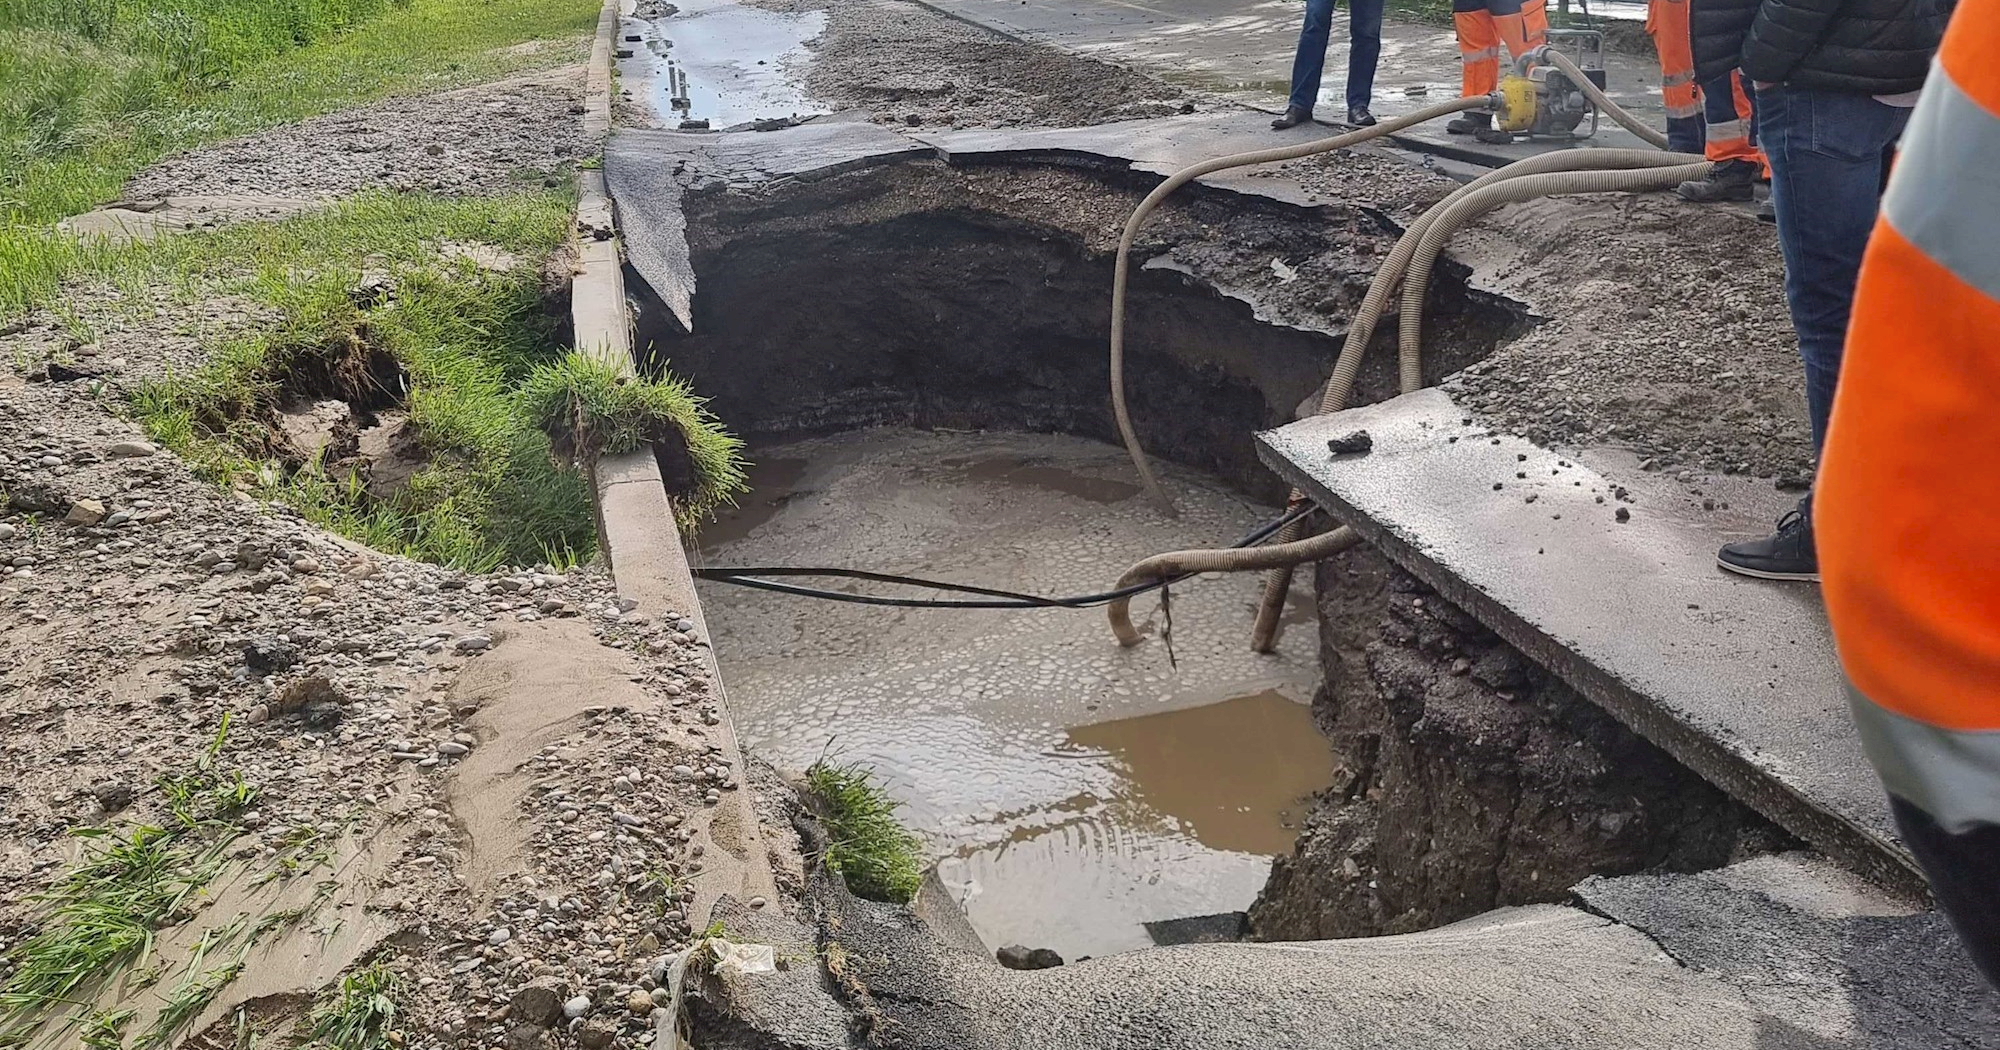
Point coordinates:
[(1907, 513)]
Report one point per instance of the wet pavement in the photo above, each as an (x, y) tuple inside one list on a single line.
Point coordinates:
[(1074, 791), (719, 61)]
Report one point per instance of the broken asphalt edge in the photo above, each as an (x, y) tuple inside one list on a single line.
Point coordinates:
[(635, 518)]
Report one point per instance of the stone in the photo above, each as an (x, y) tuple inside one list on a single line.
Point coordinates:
[(1019, 957), (268, 656), (7, 532), (576, 1007), (85, 512), (473, 643), (296, 695), (596, 1035), (132, 450), (540, 1002), (452, 749), (640, 1004), (113, 796)]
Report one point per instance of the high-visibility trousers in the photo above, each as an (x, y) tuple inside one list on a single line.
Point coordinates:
[(1667, 24), (1731, 121), (1484, 27)]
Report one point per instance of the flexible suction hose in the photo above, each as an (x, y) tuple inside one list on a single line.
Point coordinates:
[(1235, 559), (1121, 272)]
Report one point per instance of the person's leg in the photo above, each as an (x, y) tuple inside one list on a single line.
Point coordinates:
[(1667, 24), (1738, 162), (1535, 21), (1310, 61), (1826, 153), (1478, 48), (1825, 150), (1364, 19), (1963, 870), (1510, 25)]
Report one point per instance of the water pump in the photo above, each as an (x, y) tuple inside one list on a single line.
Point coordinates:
[(1539, 100)]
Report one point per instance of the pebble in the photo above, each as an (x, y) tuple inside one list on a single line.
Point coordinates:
[(576, 1007), (640, 1003), (85, 512), (473, 643), (132, 450), (7, 532), (452, 749)]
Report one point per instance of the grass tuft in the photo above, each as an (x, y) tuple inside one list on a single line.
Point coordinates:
[(877, 857), (588, 410), (356, 1013)]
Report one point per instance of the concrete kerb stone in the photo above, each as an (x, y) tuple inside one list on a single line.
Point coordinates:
[(635, 517)]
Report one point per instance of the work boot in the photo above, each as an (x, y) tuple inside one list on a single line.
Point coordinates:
[(1787, 554), (1360, 117), (1767, 212), (1291, 118), (1493, 136), (1731, 180), (1469, 124)]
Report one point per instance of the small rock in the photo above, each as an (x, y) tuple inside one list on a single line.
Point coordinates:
[(7, 532), (473, 643), (1351, 444), (85, 512), (452, 749), (268, 656), (595, 1036), (1623, 514), (132, 450), (576, 1007), (540, 1003), (113, 796), (1018, 957), (640, 1004)]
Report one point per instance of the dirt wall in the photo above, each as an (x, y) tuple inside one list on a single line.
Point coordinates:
[(1471, 778)]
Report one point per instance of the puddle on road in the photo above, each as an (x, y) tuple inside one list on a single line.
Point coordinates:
[(719, 61), (1074, 791)]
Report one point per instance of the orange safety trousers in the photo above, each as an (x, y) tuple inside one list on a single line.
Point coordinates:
[(1729, 130), (1483, 27), (1667, 24)]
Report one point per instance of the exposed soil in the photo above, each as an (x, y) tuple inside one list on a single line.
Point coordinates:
[(980, 298), (1472, 778), (520, 754), (508, 134), (1665, 332), (907, 64)]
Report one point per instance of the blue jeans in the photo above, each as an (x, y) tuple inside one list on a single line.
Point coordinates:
[(1829, 154), (1364, 20)]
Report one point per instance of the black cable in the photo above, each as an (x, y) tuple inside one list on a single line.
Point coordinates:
[(755, 577)]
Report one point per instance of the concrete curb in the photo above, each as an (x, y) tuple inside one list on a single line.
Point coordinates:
[(635, 519)]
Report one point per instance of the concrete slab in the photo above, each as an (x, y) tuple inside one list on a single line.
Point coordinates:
[(1811, 943), (1736, 678), (1244, 52), (647, 172)]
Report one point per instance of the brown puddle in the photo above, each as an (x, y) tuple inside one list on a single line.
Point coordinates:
[(1234, 775), (1197, 803), (773, 483)]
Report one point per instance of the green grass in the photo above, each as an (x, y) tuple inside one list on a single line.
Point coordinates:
[(479, 353), (876, 856), (588, 410), (102, 914), (356, 1013)]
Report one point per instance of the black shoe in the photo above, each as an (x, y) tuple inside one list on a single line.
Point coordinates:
[(1292, 117), (1787, 554), (1734, 180), (1469, 124), (1767, 212), (1493, 136), (1360, 117)]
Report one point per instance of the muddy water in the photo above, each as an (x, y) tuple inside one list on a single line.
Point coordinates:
[(721, 61), (1072, 790)]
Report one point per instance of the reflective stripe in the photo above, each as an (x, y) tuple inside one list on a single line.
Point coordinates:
[(1677, 79), (1484, 54), (1943, 192), (1953, 775), (1677, 112), (1729, 130)]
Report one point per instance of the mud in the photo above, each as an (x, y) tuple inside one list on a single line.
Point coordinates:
[(980, 298), (717, 61), (904, 63), (1471, 778), (1074, 791)]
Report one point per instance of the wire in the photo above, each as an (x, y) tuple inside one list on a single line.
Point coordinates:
[(757, 577)]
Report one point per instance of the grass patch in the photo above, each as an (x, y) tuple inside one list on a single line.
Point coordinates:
[(588, 410), (473, 357), (876, 856), (356, 1013), (102, 915)]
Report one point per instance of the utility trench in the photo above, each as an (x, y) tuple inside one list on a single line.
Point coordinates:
[(916, 354)]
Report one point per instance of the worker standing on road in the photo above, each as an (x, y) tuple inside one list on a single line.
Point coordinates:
[(1909, 497), (1835, 80), (1364, 49), (1483, 27), (1729, 132), (1667, 24)]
